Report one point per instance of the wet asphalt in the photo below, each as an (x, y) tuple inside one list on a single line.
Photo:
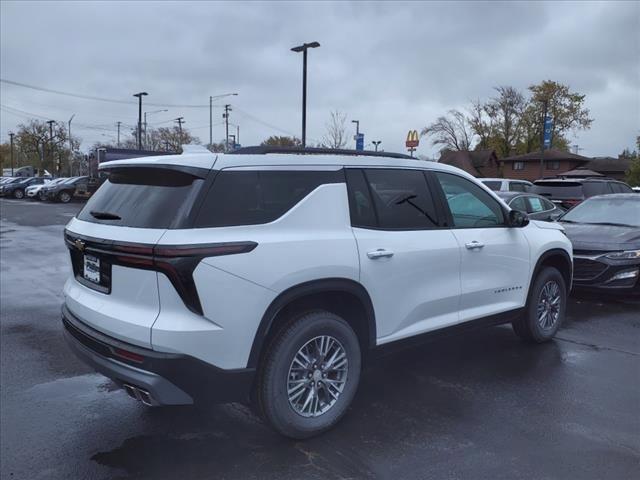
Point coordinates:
[(476, 406)]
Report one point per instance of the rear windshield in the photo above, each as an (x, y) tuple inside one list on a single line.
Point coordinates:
[(142, 198), (558, 189), (493, 185)]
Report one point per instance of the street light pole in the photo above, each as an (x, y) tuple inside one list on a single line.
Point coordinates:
[(303, 48), (118, 124), (376, 143), (51, 122), (140, 95), (11, 134)]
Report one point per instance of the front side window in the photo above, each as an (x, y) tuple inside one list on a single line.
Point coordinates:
[(518, 165), (253, 197), (470, 205), (518, 203)]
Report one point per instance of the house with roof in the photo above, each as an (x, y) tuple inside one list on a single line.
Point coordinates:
[(527, 166), (479, 163), (610, 167)]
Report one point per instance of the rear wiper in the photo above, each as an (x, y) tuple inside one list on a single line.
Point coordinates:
[(104, 215)]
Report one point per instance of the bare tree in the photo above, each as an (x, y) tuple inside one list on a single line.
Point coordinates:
[(452, 131), (336, 136)]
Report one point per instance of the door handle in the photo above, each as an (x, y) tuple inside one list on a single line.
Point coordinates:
[(380, 253), (474, 245)]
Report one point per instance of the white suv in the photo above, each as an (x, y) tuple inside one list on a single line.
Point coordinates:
[(271, 277)]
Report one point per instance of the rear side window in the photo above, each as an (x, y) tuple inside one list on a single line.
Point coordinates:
[(518, 203), (517, 187), (595, 188), (401, 199), (253, 197), (536, 205), (142, 198), (360, 204), (493, 185)]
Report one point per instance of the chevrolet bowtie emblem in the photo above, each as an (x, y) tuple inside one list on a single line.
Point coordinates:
[(79, 244)]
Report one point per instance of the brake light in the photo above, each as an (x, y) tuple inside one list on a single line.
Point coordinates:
[(572, 201)]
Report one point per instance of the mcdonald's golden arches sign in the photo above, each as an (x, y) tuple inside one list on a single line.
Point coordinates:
[(412, 139)]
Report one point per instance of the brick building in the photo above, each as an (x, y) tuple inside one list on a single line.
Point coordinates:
[(480, 163), (610, 167), (527, 166)]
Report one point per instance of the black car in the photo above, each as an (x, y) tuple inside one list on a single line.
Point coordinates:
[(569, 193), (16, 187), (605, 233), (64, 191), (535, 206)]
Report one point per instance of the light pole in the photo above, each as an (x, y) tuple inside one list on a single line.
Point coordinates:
[(11, 134), (140, 95), (146, 138), (303, 48), (376, 143), (50, 122)]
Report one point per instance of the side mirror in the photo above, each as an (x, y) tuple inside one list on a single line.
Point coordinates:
[(518, 219)]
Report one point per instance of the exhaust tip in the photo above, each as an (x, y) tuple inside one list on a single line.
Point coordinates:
[(139, 394), (131, 391), (145, 397)]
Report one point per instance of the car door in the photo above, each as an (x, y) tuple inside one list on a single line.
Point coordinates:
[(495, 264), (409, 263)]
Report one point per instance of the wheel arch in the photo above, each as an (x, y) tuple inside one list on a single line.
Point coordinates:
[(559, 259), (348, 299)]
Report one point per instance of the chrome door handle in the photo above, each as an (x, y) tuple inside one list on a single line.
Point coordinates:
[(473, 245), (380, 253)]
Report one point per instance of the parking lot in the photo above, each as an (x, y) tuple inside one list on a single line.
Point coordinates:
[(481, 405)]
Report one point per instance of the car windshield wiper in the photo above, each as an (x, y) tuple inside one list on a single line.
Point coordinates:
[(104, 215), (610, 224)]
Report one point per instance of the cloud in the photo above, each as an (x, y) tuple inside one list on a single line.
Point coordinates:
[(394, 66)]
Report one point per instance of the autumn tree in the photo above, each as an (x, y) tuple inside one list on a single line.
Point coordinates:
[(451, 132), (44, 148), (336, 131), (281, 141)]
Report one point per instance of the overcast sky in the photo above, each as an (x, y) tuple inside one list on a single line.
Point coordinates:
[(393, 66)]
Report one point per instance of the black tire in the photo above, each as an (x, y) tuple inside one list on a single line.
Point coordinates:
[(18, 193), (64, 196), (273, 382), (41, 196), (529, 327)]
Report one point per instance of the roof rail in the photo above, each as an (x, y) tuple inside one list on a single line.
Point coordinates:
[(261, 150)]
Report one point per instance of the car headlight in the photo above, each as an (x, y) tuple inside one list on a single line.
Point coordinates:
[(626, 255)]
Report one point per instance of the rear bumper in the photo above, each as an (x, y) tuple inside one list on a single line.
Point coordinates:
[(169, 379)]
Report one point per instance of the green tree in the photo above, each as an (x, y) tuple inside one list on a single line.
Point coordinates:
[(282, 141), (43, 148), (633, 174), (565, 107)]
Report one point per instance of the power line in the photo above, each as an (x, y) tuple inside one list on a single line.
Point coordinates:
[(103, 99), (29, 115)]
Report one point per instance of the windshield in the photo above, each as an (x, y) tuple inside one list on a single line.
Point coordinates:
[(606, 210)]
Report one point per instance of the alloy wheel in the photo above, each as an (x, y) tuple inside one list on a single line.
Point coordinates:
[(549, 303), (317, 376)]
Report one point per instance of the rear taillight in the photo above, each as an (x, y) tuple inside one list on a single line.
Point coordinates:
[(572, 202), (127, 355), (177, 262)]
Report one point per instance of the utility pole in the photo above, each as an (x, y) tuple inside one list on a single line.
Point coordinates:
[(234, 139), (118, 124), (11, 134), (303, 48), (180, 121), (544, 119), (51, 122), (225, 115), (376, 143), (237, 133), (140, 95), (210, 120)]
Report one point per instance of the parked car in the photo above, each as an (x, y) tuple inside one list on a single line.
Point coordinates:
[(6, 179), (535, 206), (63, 191), (88, 187), (17, 187), (507, 184), (605, 233), (219, 278), (36, 191), (569, 193)]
